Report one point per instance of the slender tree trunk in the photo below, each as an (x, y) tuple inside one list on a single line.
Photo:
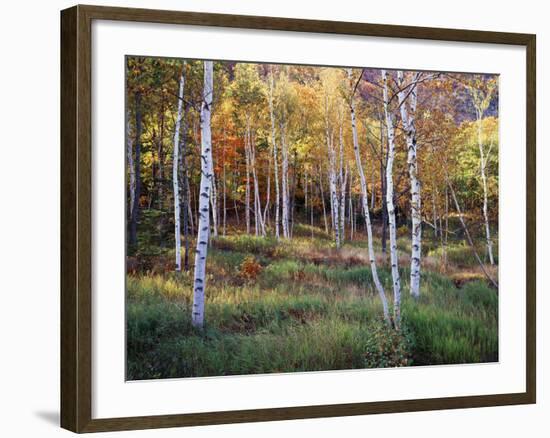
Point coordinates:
[(266, 216), (408, 119), (391, 209), (185, 206), (175, 173), (334, 204), (224, 184), (351, 210), (343, 187), (445, 258), (342, 178), (383, 164), (131, 165), (137, 162), (366, 213), (305, 194), (469, 237), (160, 153), (199, 283), (235, 184), (224, 193), (191, 204), (373, 184), (247, 188), (334, 199), (483, 171), (275, 159), (285, 188), (214, 203), (434, 212), (258, 217), (292, 195), (311, 204), (322, 194)]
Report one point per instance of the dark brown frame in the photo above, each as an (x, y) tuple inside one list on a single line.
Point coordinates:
[(76, 243)]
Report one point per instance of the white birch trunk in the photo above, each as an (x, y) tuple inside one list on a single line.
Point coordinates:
[(258, 218), (366, 213), (247, 189), (322, 194), (266, 218), (285, 188), (175, 173), (483, 171), (224, 190), (351, 210), (275, 159), (199, 283), (343, 186), (311, 204), (214, 203), (390, 206), (334, 204), (131, 165), (408, 119), (305, 192), (342, 179)]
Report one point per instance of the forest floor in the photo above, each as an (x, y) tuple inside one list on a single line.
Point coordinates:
[(302, 305)]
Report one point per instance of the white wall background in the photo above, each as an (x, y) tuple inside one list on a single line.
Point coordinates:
[(29, 217)]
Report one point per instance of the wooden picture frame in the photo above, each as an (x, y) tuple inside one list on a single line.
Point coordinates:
[(76, 218)]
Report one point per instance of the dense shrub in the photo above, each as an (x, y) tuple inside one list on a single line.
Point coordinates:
[(387, 347), (250, 269)]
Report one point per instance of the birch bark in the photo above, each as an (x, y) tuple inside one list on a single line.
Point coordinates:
[(334, 204), (285, 188), (366, 213), (199, 283), (137, 172), (131, 166), (390, 206), (275, 158), (483, 171), (343, 186), (481, 100), (247, 188), (214, 203), (258, 218), (322, 194), (175, 173), (408, 120)]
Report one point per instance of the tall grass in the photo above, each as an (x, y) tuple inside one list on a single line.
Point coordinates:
[(300, 314)]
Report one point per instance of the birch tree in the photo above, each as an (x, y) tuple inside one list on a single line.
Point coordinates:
[(275, 158), (365, 204), (214, 204), (342, 176), (389, 202), (137, 172), (175, 173), (482, 93), (185, 190), (333, 193), (199, 282), (285, 187), (407, 96), (251, 154), (131, 166)]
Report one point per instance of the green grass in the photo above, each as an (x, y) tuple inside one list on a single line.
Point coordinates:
[(310, 308)]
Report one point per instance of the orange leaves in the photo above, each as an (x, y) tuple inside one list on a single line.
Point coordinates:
[(249, 269)]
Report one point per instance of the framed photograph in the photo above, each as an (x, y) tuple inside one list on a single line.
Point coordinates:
[(269, 218)]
